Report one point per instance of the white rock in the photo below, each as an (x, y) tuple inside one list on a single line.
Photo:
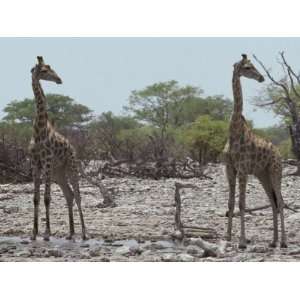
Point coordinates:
[(185, 257), (124, 250), (294, 217), (162, 245), (169, 257), (192, 250)]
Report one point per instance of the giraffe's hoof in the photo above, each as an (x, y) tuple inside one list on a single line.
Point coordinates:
[(283, 245), (70, 237), (248, 241), (242, 245), (84, 237), (273, 245), (33, 237), (228, 238), (46, 236)]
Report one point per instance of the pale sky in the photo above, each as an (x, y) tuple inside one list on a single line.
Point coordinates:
[(101, 72)]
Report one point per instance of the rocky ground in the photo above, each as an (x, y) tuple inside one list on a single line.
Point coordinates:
[(140, 227)]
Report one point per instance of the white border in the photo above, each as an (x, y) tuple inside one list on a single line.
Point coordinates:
[(149, 18), (148, 281)]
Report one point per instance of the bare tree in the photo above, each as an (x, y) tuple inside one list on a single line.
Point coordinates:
[(286, 101)]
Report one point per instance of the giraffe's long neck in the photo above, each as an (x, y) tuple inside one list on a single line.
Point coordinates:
[(41, 117), (237, 95), (237, 119)]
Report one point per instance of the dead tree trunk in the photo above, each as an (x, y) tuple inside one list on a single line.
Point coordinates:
[(290, 99), (295, 138), (108, 199)]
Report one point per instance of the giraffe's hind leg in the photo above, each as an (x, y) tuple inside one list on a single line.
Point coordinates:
[(242, 204), (276, 185), (47, 200), (265, 180), (62, 181), (74, 180)]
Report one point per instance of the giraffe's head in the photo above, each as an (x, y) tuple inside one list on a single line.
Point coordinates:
[(44, 72), (246, 68)]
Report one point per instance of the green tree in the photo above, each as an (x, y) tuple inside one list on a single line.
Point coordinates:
[(285, 148), (276, 134), (205, 138), (63, 111), (159, 104), (105, 131), (166, 104)]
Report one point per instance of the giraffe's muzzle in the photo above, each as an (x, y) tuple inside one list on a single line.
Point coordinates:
[(261, 79), (58, 81)]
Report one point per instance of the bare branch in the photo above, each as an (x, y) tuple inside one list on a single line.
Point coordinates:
[(291, 73), (271, 77), (269, 103), (289, 67), (288, 99)]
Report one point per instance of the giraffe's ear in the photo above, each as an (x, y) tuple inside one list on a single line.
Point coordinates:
[(40, 60), (32, 70)]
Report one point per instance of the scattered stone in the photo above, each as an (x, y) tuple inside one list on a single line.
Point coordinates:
[(124, 250), (105, 259), (177, 235), (193, 250), (85, 256), (55, 252), (168, 257), (162, 245), (117, 243), (24, 242), (144, 204), (185, 257), (11, 210), (24, 253), (258, 249), (164, 232), (95, 252), (292, 234), (294, 251)]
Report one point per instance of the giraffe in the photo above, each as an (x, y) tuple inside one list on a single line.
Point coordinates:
[(247, 154), (52, 156)]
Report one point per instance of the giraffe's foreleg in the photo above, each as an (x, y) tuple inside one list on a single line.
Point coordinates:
[(36, 201), (47, 200), (231, 177)]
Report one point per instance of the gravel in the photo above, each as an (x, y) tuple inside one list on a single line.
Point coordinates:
[(141, 226)]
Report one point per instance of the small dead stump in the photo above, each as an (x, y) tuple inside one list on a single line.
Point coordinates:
[(181, 230)]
